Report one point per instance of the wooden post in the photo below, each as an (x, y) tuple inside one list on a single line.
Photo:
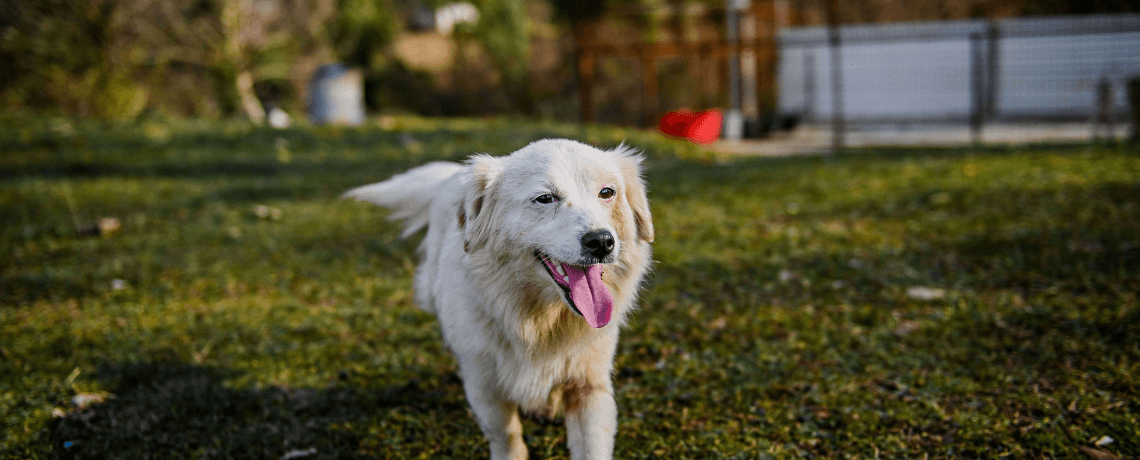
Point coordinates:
[(584, 37), (649, 86), (765, 53), (684, 37)]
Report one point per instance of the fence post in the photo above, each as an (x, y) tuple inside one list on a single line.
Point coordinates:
[(1103, 126), (734, 119), (649, 86), (764, 51), (837, 127), (992, 69), (1134, 105), (977, 88), (809, 86)]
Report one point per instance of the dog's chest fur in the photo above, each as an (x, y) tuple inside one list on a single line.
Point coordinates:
[(542, 352)]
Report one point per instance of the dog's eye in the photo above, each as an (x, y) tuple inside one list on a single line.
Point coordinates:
[(606, 193), (546, 199)]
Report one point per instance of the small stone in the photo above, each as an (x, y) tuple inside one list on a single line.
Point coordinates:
[(267, 212), (83, 400), (408, 142), (109, 225), (298, 453), (925, 293), (278, 118)]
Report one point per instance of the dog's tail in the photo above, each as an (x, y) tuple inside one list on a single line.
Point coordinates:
[(408, 195)]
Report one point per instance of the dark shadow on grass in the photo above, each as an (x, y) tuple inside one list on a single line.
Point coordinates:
[(200, 169), (185, 411), (26, 288), (135, 139), (257, 152)]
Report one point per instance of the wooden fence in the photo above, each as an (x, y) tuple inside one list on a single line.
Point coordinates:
[(718, 51)]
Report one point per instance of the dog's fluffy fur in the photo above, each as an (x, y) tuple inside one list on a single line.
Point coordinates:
[(510, 323)]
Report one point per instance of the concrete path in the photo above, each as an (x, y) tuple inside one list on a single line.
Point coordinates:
[(814, 139)]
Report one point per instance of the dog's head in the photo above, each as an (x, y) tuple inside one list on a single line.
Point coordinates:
[(570, 207)]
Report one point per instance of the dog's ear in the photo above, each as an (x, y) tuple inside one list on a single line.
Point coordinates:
[(476, 213), (630, 161)]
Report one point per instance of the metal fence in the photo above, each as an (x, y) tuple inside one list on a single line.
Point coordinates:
[(963, 72)]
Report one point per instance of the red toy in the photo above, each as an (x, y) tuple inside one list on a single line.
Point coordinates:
[(699, 127)]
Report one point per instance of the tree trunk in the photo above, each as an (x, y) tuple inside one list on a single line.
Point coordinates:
[(249, 101)]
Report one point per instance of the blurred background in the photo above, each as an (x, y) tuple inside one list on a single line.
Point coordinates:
[(881, 70)]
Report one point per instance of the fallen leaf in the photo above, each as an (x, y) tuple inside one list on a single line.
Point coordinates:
[(103, 227), (83, 400), (298, 453), (906, 327), (1098, 454)]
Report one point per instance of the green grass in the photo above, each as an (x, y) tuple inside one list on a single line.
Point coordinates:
[(777, 323)]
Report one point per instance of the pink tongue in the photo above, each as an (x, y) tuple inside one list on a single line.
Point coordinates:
[(590, 294)]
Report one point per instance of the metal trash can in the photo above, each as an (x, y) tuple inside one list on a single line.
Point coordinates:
[(336, 96)]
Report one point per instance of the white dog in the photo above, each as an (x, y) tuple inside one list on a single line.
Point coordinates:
[(531, 263)]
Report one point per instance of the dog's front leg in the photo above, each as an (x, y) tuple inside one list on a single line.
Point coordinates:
[(591, 423), (497, 417)]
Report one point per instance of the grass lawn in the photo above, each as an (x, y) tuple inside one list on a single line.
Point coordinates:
[(880, 304)]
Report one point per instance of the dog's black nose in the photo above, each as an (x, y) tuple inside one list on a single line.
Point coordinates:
[(599, 243)]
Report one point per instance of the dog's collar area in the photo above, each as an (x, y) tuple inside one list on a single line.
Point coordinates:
[(558, 274)]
